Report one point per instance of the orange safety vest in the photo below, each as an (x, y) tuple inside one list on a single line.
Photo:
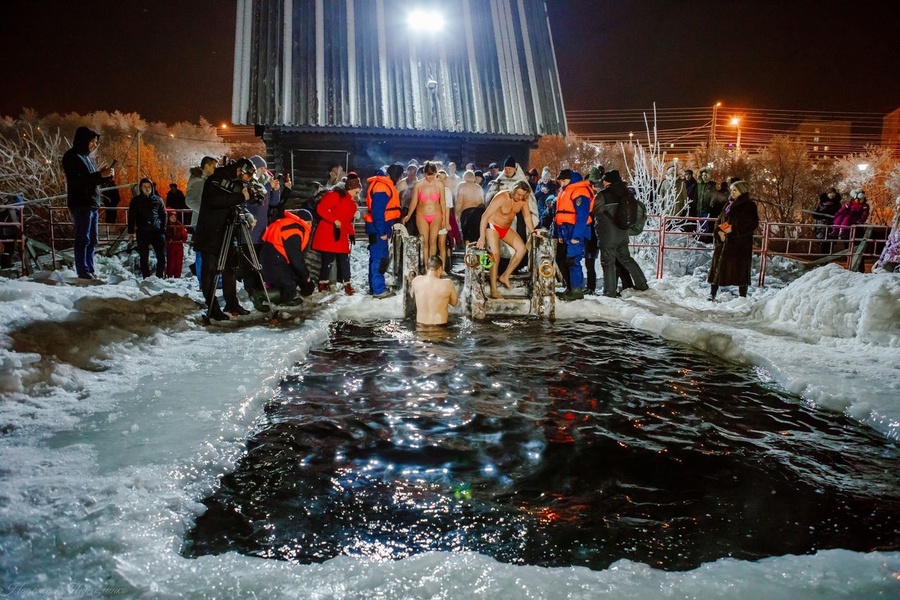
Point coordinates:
[(392, 210), (284, 228), (565, 205)]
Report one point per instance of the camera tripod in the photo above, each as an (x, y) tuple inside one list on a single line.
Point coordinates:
[(238, 218)]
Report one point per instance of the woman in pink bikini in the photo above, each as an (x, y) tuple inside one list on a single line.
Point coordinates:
[(430, 209)]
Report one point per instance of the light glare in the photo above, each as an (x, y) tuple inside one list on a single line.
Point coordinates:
[(426, 21)]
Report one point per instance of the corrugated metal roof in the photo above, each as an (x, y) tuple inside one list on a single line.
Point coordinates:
[(358, 64)]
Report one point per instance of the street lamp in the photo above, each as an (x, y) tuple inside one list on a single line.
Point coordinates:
[(736, 121), (712, 127)]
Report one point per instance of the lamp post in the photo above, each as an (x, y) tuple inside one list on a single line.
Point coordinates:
[(712, 127), (736, 121)]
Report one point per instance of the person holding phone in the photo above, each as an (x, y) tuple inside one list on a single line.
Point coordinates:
[(83, 181)]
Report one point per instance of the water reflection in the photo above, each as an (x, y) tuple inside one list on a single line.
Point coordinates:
[(573, 444)]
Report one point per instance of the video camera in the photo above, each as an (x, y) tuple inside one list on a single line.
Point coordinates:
[(257, 190)]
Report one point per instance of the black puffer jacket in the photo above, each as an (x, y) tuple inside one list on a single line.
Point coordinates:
[(147, 214), (605, 203)]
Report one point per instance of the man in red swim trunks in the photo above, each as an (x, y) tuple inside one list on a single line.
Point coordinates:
[(497, 224)]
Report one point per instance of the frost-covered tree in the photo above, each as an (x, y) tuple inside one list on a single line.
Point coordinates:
[(871, 171), (557, 152), (723, 162), (784, 182)]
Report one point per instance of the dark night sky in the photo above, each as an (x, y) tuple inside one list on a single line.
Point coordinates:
[(172, 60)]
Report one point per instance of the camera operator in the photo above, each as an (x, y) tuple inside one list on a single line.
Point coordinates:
[(224, 193), (262, 191)]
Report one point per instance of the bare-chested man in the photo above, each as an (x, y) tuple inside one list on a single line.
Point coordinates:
[(469, 206), (497, 225), (433, 294)]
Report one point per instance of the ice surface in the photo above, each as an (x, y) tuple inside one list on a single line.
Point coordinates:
[(119, 411)]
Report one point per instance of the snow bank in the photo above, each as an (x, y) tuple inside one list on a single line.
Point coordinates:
[(833, 302)]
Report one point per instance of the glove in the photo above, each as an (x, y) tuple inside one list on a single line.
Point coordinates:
[(337, 232), (352, 240)]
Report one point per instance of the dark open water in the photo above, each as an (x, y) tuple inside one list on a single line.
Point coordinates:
[(553, 445)]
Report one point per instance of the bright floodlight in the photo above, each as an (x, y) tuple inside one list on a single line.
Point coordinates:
[(426, 21), (862, 166)]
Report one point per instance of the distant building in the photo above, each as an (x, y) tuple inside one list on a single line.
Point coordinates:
[(890, 131), (353, 82), (826, 138)]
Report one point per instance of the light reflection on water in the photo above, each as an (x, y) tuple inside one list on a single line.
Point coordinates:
[(567, 444)]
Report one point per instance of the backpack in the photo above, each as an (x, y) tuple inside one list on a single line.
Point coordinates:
[(631, 214)]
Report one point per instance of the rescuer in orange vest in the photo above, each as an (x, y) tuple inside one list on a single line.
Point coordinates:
[(282, 257), (573, 221), (383, 210)]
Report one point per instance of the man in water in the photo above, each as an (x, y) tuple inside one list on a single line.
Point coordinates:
[(433, 294), (497, 224)]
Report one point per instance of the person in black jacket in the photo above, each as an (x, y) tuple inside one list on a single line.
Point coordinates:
[(147, 219), (224, 194), (175, 199), (614, 241), (83, 180)]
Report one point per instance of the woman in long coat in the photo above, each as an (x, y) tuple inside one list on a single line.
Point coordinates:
[(733, 241)]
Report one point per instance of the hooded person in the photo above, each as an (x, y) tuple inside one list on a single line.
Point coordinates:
[(83, 181), (176, 236), (283, 259), (382, 212), (147, 223)]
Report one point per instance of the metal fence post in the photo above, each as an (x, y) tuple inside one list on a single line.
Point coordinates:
[(764, 256), (660, 245)]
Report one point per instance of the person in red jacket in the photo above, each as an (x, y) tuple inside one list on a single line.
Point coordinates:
[(336, 211), (176, 236), (853, 213)]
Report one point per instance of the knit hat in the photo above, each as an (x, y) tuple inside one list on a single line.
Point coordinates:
[(612, 176), (565, 174), (533, 172), (353, 182), (510, 162), (395, 171), (305, 215), (258, 161)]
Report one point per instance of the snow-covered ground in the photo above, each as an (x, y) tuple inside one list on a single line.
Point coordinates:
[(119, 410)]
